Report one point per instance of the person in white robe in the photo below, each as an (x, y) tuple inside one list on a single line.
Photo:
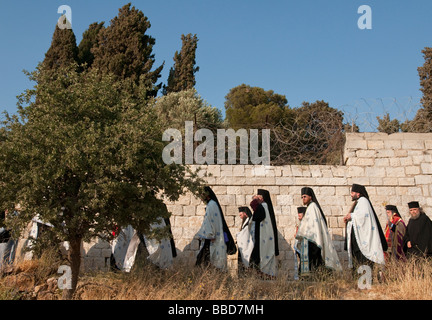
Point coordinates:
[(216, 241), (314, 241), (160, 253), (120, 246), (245, 238), (263, 257), (300, 214), (365, 238)]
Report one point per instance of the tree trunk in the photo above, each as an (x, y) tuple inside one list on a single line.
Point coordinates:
[(75, 263)]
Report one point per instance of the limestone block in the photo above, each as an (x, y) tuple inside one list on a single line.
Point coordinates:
[(375, 144), (218, 190), (214, 170), (339, 171), (375, 181), (426, 168), (413, 144), (241, 200), (230, 181), (406, 181), (385, 153), (356, 171), (227, 170), (412, 170), (382, 162), (394, 162), (392, 144), (200, 210), (189, 210), (406, 161), (235, 190), (316, 172), (375, 172), (395, 172), (296, 171), (327, 173), (177, 232), (231, 211), (401, 153), (278, 171), (355, 144), (415, 191), (286, 171), (228, 199), (184, 200), (325, 191), (181, 222), (365, 162), (284, 200), (284, 181), (423, 179), (238, 170), (175, 209)]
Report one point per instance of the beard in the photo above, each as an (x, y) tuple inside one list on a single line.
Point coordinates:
[(354, 198)]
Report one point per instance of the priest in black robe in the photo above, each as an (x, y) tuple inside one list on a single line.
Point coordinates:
[(265, 250), (365, 240), (216, 241), (418, 236)]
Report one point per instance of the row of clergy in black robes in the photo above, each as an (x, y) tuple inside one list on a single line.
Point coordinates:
[(366, 248), (257, 240)]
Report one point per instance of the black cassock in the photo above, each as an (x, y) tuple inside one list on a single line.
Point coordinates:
[(419, 233)]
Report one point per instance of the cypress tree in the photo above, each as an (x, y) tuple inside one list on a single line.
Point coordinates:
[(182, 74), (63, 50), (88, 42), (125, 49), (422, 122)]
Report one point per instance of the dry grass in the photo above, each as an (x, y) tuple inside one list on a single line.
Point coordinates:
[(411, 280)]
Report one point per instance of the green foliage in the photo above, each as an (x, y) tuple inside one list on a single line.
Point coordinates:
[(316, 136), (63, 50), (87, 156), (182, 74), (177, 107), (253, 107), (88, 42), (388, 126), (311, 134), (422, 121), (124, 49)]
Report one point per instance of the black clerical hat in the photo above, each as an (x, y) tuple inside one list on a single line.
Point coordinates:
[(391, 208), (360, 189), (301, 210), (413, 204), (307, 191), (246, 210)]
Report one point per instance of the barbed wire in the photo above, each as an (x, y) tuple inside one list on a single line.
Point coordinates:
[(364, 111)]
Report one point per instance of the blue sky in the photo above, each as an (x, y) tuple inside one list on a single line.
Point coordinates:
[(306, 50)]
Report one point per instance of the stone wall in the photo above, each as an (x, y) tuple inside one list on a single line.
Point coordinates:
[(395, 169)]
